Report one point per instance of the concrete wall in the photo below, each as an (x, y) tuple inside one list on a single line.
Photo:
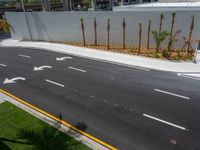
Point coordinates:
[(174, 1), (65, 26)]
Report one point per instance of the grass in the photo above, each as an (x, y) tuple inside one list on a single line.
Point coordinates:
[(21, 131)]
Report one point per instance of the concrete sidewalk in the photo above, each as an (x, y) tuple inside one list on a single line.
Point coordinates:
[(117, 58)]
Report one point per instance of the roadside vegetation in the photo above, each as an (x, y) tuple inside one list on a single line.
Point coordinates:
[(4, 25), (22, 131), (164, 40)]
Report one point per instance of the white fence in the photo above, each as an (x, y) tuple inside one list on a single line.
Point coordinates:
[(65, 26)]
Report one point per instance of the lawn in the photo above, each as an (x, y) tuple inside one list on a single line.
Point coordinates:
[(21, 131)]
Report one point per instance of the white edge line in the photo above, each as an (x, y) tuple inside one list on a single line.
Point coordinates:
[(140, 68), (177, 95), (3, 65), (166, 122), (188, 76), (26, 56), (77, 69), (61, 85)]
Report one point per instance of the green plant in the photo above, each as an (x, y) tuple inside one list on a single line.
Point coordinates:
[(4, 25), (165, 53), (159, 37)]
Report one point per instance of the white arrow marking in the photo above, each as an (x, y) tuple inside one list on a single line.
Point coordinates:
[(41, 68), (13, 80), (63, 58), (3, 65)]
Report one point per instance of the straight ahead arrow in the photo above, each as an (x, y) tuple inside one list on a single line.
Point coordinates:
[(13, 80), (41, 68), (63, 58)]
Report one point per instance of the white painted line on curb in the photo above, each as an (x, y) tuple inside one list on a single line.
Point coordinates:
[(177, 95), (26, 56), (140, 68), (166, 122), (77, 69), (187, 76), (61, 85), (3, 65)]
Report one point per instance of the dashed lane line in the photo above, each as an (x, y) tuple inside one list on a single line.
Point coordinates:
[(25, 56), (55, 83), (77, 69), (173, 94), (165, 122)]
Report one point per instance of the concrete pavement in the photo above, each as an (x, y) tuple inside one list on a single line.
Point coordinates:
[(129, 108)]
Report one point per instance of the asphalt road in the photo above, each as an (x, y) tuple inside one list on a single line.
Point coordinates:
[(129, 108)]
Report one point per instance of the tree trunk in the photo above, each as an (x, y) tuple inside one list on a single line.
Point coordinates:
[(95, 32), (140, 36), (108, 34), (83, 31), (160, 29), (171, 33), (149, 30), (124, 33), (190, 34)]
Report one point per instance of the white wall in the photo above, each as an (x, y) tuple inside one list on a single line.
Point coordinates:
[(65, 26)]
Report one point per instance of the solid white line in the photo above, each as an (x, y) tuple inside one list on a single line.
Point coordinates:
[(140, 68), (166, 122), (3, 65), (177, 95), (187, 76), (61, 85), (77, 69), (26, 56)]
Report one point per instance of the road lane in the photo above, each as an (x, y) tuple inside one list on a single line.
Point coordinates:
[(104, 96)]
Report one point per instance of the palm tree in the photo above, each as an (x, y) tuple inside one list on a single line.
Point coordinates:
[(171, 31), (159, 37)]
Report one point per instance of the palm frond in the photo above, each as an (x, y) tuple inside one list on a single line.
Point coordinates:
[(5, 26)]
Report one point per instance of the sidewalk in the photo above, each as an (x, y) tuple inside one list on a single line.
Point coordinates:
[(117, 58)]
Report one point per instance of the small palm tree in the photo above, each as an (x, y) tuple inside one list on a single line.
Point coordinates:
[(4, 25), (159, 37)]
